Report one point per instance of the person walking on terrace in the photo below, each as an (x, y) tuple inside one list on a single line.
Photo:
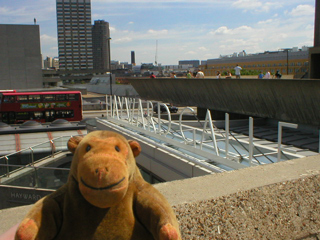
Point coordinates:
[(189, 75), (260, 76), (237, 70), (200, 74)]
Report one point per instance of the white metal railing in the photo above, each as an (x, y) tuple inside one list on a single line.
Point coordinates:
[(280, 126), (138, 115)]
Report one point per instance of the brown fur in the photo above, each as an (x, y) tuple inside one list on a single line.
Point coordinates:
[(105, 197)]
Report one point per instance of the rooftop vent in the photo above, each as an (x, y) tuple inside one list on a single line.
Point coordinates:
[(30, 124), (60, 123), (4, 125)]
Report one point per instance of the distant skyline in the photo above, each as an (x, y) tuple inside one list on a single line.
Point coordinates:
[(184, 29)]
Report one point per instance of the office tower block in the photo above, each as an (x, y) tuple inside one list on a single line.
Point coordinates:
[(101, 45), (133, 58), (48, 62), (74, 34)]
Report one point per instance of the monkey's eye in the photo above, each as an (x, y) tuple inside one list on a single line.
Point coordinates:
[(117, 148), (88, 148)]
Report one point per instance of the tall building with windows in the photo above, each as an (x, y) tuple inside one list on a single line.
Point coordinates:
[(101, 45), (133, 58), (74, 34)]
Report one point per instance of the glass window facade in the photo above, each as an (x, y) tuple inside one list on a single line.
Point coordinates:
[(74, 36)]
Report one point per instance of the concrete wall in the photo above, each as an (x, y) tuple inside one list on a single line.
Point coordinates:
[(274, 201), (296, 101), (20, 56), (19, 196)]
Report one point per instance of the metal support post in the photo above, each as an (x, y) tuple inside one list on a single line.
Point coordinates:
[(250, 139), (280, 125), (227, 129)]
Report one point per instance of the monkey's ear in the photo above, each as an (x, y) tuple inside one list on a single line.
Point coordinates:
[(73, 143), (135, 147)]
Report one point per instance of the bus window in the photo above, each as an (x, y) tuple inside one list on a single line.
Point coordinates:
[(61, 97), (48, 98), (34, 98), (22, 116), (9, 99), (8, 117), (50, 115), (73, 96), (38, 115), (64, 114), (22, 98), (4, 117)]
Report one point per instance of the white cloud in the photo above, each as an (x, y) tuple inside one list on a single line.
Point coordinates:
[(122, 40), (226, 31), (45, 39), (302, 10), (3, 10), (221, 31), (160, 32), (203, 49), (268, 21), (191, 53), (256, 5), (247, 4)]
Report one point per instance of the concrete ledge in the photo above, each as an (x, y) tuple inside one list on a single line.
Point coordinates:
[(226, 183), (275, 201)]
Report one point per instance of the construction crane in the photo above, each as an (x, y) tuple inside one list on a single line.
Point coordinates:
[(156, 57)]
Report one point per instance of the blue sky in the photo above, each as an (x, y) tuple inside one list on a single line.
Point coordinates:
[(184, 30)]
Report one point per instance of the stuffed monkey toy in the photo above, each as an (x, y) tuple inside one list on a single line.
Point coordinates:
[(105, 197)]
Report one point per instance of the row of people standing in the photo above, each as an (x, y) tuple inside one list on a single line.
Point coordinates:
[(268, 75), (237, 70), (198, 74), (228, 76)]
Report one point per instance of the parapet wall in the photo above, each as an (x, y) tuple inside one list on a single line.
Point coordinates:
[(275, 201), (289, 100)]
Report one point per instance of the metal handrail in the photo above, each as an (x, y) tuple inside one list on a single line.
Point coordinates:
[(53, 151), (34, 146)]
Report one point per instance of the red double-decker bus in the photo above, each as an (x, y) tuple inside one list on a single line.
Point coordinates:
[(18, 107)]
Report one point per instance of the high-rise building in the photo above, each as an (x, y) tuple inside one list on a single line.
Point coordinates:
[(74, 34), (47, 63), (101, 45), (133, 58)]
